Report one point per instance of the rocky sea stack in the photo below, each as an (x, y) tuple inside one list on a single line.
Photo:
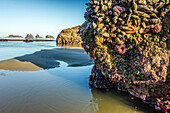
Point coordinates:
[(29, 36), (49, 36), (128, 41), (38, 36), (14, 36), (69, 37)]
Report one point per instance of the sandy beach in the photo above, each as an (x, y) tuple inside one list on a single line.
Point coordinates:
[(46, 59), (16, 65)]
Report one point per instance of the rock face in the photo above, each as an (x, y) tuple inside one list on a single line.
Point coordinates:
[(49, 36), (70, 37), (29, 36), (128, 41)]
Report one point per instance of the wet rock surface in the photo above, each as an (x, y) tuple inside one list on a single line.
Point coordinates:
[(129, 42), (69, 37)]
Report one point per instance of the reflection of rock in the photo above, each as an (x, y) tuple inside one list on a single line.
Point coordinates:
[(143, 28), (2, 74), (112, 101), (49, 36), (14, 36), (29, 36), (69, 36)]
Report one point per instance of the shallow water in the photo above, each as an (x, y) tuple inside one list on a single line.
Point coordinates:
[(59, 90), (13, 49)]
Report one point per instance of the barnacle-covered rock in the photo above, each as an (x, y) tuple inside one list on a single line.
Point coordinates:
[(129, 41)]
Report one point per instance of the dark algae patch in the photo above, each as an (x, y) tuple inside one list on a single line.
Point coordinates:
[(129, 42)]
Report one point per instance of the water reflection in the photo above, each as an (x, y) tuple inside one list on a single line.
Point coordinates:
[(116, 102), (2, 74), (60, 90)]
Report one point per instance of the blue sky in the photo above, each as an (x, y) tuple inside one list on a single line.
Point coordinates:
[(41, 17)]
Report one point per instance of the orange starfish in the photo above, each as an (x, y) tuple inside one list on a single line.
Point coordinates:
[(134, 29)]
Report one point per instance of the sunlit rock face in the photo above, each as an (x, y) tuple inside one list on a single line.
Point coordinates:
[(69, 37), (38, 36), (128, 41), (14, 36), (29, 36)]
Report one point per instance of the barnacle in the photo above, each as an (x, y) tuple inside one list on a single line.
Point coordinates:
[(156, 39), (146, 36), (163, 44), (118, 41), (140, 39), (164, 39)]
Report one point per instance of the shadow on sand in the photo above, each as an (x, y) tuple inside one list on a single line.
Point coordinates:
[(47, 59)]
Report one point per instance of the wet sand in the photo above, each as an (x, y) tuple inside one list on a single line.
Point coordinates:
[(16, 65), (46, 59)]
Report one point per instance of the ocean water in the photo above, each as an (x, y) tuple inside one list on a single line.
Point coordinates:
[(13, 49), (59, 90)]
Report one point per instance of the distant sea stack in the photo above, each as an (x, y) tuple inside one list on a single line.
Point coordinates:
[(69, 37), (14, 36), (49, 36), (38, 36), (29, 36)]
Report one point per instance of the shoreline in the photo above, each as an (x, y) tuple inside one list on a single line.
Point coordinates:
[(23, 39), (16, 65)]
